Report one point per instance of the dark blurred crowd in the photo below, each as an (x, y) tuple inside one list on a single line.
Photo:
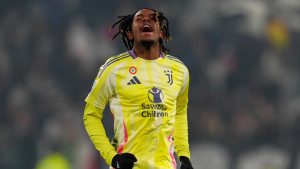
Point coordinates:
[(243, 56)]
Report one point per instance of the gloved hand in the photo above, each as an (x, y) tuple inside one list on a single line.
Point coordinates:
[(185, 163), (123, 161)]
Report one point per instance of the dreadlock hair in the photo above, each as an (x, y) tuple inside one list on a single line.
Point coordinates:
[(125, 25)]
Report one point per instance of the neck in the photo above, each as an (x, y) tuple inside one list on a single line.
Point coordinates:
[(150, 53)]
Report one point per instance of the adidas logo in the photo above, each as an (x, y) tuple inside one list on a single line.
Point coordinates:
[(133, 81)]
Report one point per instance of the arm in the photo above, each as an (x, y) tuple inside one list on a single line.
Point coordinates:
[(181, 124), (97, 99), (92, 121)]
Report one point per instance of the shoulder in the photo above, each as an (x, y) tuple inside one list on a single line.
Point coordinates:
[(117, 59), (176, 61), (112, 62)]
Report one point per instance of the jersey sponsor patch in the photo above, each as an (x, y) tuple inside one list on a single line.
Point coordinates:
[(155, 95), (156, 108)]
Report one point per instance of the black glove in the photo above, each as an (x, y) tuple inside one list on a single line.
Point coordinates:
[(123, 161), (185, 163)]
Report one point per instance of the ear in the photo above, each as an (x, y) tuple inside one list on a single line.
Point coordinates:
[(129, 35)]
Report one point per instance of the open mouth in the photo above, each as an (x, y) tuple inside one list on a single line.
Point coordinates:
[(146, 28)]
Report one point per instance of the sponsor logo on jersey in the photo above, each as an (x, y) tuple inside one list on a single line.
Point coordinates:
[(154, 113), (155, 95), (156, 108), (134, 81)]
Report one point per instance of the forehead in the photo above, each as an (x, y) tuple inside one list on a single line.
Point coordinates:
[(145, 12)]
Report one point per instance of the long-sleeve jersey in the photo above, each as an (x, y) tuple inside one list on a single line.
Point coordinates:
[(148, 100)]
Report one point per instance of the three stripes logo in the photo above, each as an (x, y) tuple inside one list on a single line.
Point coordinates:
[(133, 81)]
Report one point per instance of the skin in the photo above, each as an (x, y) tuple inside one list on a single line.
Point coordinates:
[(141, 18)]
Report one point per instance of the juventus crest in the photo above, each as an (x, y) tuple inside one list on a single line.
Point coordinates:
[(169, 74)]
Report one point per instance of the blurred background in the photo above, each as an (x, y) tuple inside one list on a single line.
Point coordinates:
[(244, 61)]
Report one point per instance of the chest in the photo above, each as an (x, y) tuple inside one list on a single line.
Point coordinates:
[(148, 82)]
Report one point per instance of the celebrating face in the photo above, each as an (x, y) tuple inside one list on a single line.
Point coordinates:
[(146, 27)]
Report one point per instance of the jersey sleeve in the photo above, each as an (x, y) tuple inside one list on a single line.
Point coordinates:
[(94, 127), (181, 124), (96, 101), (103, 88)]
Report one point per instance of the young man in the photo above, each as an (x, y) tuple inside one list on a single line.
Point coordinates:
[(147, 91)]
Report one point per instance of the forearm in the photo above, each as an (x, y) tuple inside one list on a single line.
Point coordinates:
[(95, 129), (181, 132)]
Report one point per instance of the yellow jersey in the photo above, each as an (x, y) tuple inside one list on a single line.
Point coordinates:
[(148, 100)]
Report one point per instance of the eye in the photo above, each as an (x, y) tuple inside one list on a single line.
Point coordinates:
[(154, 17)]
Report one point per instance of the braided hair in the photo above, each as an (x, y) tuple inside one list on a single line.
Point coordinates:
[(125, 25)]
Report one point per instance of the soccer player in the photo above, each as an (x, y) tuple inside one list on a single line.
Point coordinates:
[(147, 91)]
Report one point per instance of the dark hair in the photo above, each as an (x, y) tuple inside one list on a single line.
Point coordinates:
[(125, 25)]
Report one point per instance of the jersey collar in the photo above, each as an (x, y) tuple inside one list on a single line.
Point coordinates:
[(134, 55)]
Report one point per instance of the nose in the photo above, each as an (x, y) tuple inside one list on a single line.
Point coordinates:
[(146, 18)]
